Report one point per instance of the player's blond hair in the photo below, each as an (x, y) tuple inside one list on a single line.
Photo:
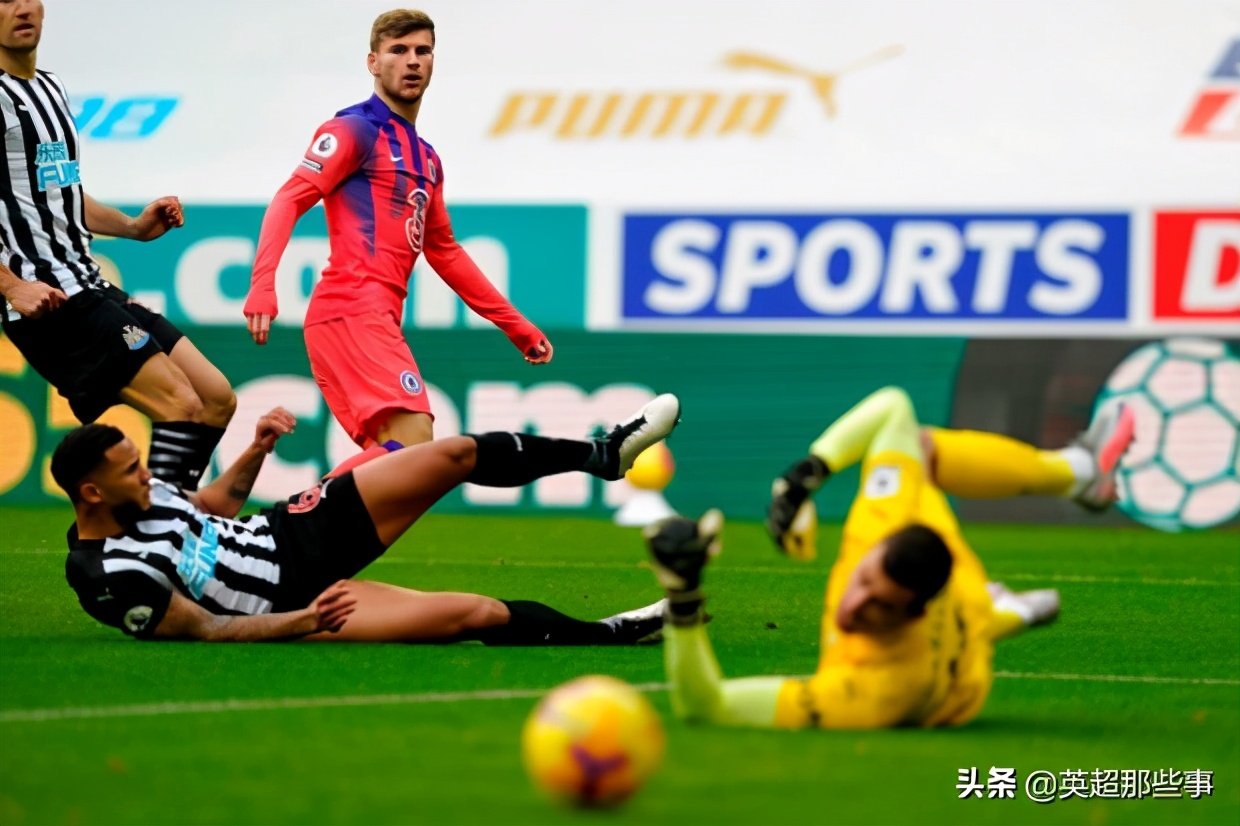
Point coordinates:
[(398, 23)]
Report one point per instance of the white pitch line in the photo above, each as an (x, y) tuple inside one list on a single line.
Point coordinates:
[(608, 566), (39, 715), (42, 715), (792, 569), (1117, 678), (1108, 580)]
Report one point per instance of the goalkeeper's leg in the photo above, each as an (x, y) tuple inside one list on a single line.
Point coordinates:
[(981, 465)]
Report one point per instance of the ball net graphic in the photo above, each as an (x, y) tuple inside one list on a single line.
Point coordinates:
[(1183, 469)]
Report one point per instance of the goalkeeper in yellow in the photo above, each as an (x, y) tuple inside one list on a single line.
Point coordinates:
[(910, 620)]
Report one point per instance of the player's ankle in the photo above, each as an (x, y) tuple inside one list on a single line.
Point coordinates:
[(601, 462), (1084, 471)]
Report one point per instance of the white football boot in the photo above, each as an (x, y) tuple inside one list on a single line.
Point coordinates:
[(1106, 441), (620, 448), (1037, 607), (641, 626)]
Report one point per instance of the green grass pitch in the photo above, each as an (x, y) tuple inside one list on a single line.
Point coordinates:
[(1136, 604)]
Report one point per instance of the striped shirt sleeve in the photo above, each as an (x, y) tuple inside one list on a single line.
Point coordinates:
[(125, 593)]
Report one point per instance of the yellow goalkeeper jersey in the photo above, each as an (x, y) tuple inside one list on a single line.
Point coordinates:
[(935, 670)]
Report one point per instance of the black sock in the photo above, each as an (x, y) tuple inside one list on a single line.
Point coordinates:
[(532, 623), (509, 460), (180, 451)]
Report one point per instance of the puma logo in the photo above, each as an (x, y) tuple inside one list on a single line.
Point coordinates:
[(823, 83)]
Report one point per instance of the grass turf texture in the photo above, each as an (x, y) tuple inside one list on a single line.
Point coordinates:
[(1135, 603)]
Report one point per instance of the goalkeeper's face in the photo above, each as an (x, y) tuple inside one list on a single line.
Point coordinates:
[(873, 602)]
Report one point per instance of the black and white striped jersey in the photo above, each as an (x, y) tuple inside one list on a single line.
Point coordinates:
[(43, 233), (228, 566)]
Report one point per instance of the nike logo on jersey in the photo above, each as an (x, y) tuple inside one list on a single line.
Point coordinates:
[(397, 159)]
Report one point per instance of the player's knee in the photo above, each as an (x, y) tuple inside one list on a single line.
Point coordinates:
[(461, 451), (180, 404), (218, 408)]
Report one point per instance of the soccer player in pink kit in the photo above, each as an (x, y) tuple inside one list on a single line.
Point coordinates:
[(382, 186)]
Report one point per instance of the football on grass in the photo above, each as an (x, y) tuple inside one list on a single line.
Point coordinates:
[(592, 742)]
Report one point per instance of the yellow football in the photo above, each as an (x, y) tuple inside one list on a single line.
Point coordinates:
[(652, 469), (592, 742)]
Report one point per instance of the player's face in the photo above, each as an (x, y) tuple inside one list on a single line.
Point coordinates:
[(21, 24), (122, 480), (873, 602), (403, 65)]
